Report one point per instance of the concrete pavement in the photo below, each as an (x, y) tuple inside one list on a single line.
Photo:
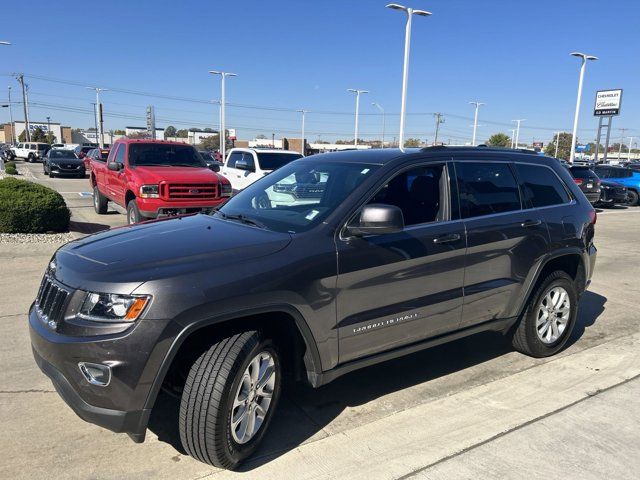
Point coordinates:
[(470, 408)]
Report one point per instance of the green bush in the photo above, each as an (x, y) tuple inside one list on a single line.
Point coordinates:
[(10, 168), (27, 207)]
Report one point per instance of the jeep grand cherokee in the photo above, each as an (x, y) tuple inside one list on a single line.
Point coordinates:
[(394, 252)]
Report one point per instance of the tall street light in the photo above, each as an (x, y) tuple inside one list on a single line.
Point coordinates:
[(405, 71), (557, 143), (11, 117), (517, 139), (223, 132), (5, 43), (377, 105), (584, 57), (99, 114), (303, 112), (357, 92), (475, 121)]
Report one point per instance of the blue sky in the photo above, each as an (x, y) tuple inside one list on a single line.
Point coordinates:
[(511, 55)]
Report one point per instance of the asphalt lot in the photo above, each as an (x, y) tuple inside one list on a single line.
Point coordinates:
[(470, 409)]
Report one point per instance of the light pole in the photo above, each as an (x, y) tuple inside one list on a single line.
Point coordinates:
[(513, 136), (99, 124), (5, 43), (557, 143), (223, 131), (517, 139), (303, 112), (630, 143), (622, 130), (405, 70), (377, 105), (574, 138), (475, 121), (439, 119), (358, 93), (11, 118)]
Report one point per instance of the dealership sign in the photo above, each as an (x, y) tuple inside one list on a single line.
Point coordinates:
[(608, 103)]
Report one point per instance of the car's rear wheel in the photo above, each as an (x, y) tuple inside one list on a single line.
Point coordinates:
[(229, 398), (99, 201), (549, 317), (633, 198), (30, 158)]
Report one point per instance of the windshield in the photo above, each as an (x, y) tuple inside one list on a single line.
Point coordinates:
[(274, 160), (298, 196), (61, 154), (146, 154)]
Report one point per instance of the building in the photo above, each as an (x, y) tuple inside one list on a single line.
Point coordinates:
[(62, 134), (195, 137), (133, 131)]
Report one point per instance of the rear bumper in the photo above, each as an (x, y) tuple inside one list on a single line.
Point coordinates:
[(593, 197)]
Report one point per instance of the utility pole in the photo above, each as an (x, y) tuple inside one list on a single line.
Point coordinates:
[(13, 140), (223, 131), (513, 137), (377, 105), (557, 143), (358, 93), (517, 140), (303, 142), (475, 122), (439, 119), (99, 119), (95, 116), (25, 106), (630, 143), (621, 141)]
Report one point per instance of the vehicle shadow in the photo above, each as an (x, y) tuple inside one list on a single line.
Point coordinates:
[(87, 228), (304, 412)]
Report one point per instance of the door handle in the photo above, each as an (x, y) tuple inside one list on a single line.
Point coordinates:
[(452, 237), (531, 223)]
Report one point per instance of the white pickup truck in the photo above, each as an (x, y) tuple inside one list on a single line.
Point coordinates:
[(31, 151), (244, 166)]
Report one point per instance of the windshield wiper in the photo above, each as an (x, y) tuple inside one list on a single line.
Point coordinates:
[(241, 218)]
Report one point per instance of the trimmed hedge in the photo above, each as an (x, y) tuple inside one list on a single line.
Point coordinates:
[(27, 207), (10, 168)]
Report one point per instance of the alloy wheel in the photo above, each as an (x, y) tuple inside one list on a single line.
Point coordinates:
[(554, 312), (253, 397)]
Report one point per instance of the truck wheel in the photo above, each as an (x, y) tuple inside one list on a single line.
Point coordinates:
[(632, 198), (99, 201), (229, 398), (133, 213), (30, 158), (549, 318)]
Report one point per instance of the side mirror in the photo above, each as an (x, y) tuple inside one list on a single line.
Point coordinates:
[(244, 165), (214, 166), (377, 219), (114, 166)]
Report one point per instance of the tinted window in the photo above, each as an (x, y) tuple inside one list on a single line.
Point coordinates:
[(540, 186), (43, 147), (61, 154), (159, 154), (273, 160), (233, 158), (20, 145), (248, 158), (120, 154), (486, 188), (583, 172), (418, 192)]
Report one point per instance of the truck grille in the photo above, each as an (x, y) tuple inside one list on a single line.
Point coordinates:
[(51, 301), (189, 191)]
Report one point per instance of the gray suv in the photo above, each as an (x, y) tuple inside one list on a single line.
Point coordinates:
[(329, 264)]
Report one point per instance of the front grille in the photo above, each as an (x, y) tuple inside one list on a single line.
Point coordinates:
[(51, 301), (189, 191)]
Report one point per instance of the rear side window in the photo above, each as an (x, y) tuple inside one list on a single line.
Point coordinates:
[(541, 187), (486, 189)]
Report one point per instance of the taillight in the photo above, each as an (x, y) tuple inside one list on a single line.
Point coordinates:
[(593, 217), (578, 181)]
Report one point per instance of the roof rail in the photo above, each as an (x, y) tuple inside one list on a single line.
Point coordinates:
[(482, 146)]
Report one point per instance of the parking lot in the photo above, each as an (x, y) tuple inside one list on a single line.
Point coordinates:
[(473, 408)]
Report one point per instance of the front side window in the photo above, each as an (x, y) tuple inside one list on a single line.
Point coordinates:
[(420, 193), (20, 145), (120, 154), (233, 158), (248, 159), (297, 196), (540, 186), (273, 160), (486, 189)]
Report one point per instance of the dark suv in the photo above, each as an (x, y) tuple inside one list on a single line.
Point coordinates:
[(397, 252)]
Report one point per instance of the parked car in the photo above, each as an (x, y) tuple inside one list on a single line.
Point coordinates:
[(31, 151), (401, 252), (155, 178), (61, 162), (588, 182), (612, 193), (59, 145), (624, 176), (246, 165), (6, 152), (97, 154), (210, 159), (82, 150)]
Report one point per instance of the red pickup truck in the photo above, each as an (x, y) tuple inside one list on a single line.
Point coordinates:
[(154, 178)]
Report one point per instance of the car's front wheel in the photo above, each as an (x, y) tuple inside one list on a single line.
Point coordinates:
[(549, 317), (633, 198), (229, 398), (133, 213)]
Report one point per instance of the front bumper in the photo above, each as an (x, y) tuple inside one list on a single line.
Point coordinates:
[(157, 208), (60, 170)]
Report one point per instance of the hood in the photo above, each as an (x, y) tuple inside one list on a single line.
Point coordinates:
[(176, 174), (161, 249)]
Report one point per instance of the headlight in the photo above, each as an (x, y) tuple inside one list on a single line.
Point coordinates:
[(226, 190), (149, 191), (108, 307)]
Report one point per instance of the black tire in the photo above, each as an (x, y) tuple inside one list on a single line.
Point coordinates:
[(30, 158), (99, 201), (525, 337), (51, 174), (133, 213), (633, 198), (44, 169), (206, 407)]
